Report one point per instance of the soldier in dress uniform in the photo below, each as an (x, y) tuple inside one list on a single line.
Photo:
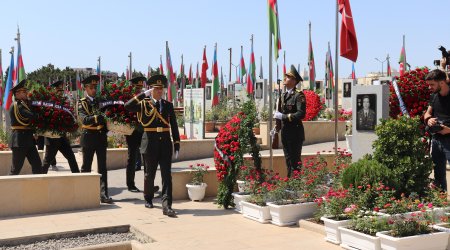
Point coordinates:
[(134, 142), (157, 117), (293, 110), (22, 140), (93, 135), (52, 145)]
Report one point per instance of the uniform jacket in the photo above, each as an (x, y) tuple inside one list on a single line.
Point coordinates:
[(366, 123), (148, 116), (90, 115), (293, 108), (21, 116)]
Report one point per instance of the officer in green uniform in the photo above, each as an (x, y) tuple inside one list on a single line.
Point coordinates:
[(22, 140), (134, 142), (93, 135), (157, 117), (293, 110), (52, 145)]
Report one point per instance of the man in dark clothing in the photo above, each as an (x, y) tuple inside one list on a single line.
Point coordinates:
[(62, 144), (293, 110), (438, 115), (22, 140), (158, 119), (93, 136)]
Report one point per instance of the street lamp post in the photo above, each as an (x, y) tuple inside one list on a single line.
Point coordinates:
[(382, 62)]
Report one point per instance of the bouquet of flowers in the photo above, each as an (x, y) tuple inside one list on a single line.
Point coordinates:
[(55, 115), (313, 105), (414, 91), (118, 118)]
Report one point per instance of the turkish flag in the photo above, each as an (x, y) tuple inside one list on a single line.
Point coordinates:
[(349, 43)]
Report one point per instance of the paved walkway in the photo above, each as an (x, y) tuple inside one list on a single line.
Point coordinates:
[(199, 225)]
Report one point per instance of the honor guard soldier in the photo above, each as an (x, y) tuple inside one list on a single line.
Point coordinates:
[(157, 117), (52, 145), (93, 135), (292, 111), (22, 140), (134, 142)]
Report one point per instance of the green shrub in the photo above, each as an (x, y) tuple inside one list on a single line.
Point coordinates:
[(401, 148), (366, 171)]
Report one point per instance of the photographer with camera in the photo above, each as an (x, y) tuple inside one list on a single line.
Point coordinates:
[(437, 119)]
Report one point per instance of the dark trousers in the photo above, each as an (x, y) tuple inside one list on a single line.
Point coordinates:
[(40, 142), (440, 153), (18, 158), (88, 156), (63, 145), (292, 148), (133, 141), (158, 152)]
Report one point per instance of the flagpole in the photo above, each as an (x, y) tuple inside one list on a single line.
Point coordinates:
[(131, 69), (336, 85), (270, 103), (229, 77), (404, 57)]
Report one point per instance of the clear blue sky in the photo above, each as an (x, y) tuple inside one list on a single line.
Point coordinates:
[(75, 33)]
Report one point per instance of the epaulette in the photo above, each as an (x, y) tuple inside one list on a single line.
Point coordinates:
[(299, 91), (82, 99)]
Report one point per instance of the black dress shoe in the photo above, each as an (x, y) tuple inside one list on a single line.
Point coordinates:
[(169, 212), (106, 199), (148, 204), (134, 189), (155, 189)]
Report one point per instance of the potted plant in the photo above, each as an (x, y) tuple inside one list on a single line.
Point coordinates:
[(361, 232), (196, 188), (412, 233), (255, 207), (243, 187), (210, 121)]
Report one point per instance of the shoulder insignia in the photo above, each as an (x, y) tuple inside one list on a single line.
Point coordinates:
[(299, 91), (302, 97)]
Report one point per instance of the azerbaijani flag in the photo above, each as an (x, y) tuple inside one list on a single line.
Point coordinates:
[(20, 71), (251, 77), (161, 69), (197, 78), (190, 75), (389, 71), (99, 85), (284, 63), (215, 85), (274, 26), (312, 67), (243, 71), (2, 88), (204, 69), (79, 88), (330, 68), (7, 98), (353, 71), (402, 61), (171, 90)]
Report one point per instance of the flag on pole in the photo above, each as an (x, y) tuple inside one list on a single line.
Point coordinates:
[(183, 78), (20, 68), (197, 78), (389, 71), (274, 26), (79, 88), (402, 60), (312, 66), (349, 43), (242, 71), (205, 67), (161, 69), (190, 75), (99, 73), (353, 71), (251, 77), (222, 82), (2, 88), (284, 63), (7, 98), (329, 68), (127, 76), (171, 89), (215, 85)]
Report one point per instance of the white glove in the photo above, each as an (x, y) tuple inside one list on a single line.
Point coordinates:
[(148, 92), (278, 115), (273, 132)]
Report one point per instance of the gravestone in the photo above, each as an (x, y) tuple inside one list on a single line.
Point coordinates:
[(370, 104), (348, 85)]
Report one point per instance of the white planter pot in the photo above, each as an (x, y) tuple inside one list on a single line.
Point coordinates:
[(241, 186), (196, 192), (238, 197), (432, 241), (355, 240), (332, 232), (441, 228), (290, 214), (255, 212), (348, 139)]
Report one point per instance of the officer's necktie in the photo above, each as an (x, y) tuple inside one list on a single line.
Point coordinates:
[(160, 106)]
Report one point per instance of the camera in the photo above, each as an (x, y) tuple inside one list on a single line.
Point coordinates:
[(437, 127), (445, 54)]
